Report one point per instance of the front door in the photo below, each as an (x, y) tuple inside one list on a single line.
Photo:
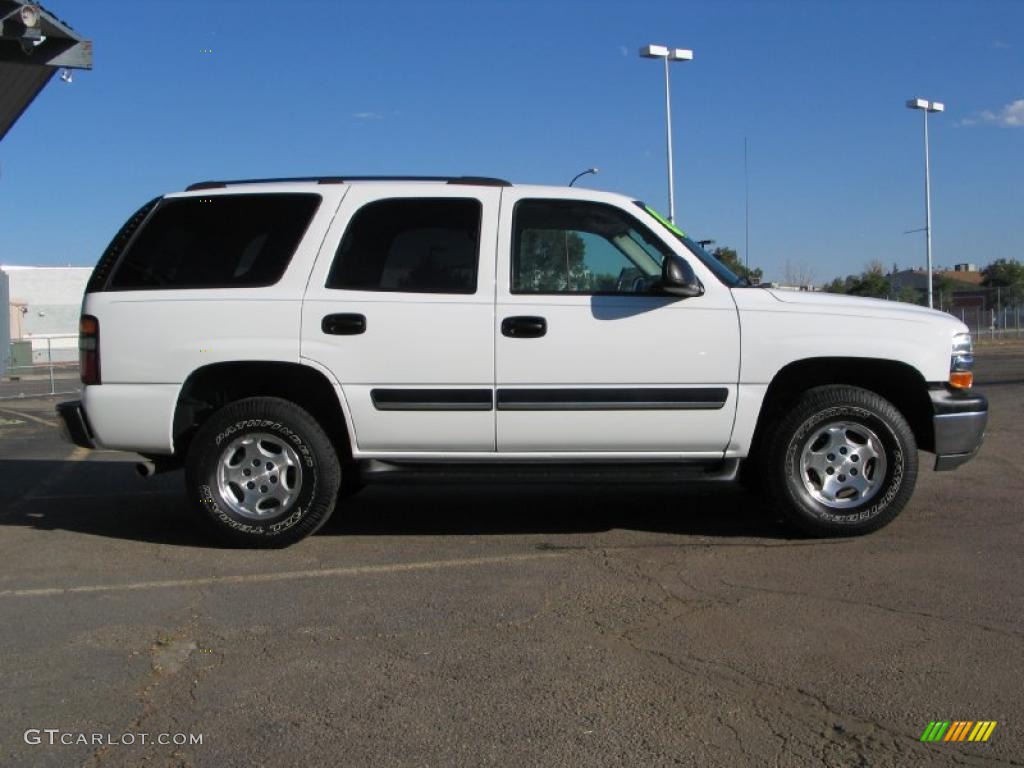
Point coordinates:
[(400, 307), (589, 358)]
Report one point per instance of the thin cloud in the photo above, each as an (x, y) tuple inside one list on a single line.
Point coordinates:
[(367, 115), (1008, 116), (624, 51), (999, 44)]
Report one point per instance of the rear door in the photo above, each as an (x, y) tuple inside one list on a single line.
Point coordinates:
[(400, 307)]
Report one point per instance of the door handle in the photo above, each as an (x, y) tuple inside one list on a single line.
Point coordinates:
[(527, 327), (343, 324)]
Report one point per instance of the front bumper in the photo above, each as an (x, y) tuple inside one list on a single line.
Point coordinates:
[(73, 424), (959, 419)]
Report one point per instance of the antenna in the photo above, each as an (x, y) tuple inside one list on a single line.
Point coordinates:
[(746, 208)]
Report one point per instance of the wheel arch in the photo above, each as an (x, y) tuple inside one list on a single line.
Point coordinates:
[(212, 386), (898, 382)]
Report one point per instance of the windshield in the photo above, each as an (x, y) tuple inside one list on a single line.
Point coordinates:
[(721, 271)]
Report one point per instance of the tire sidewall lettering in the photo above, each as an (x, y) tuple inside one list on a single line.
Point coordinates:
[(209, 497), (896, 462)]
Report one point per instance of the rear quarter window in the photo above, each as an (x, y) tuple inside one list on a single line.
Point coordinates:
[(101, 273), (221, 241)]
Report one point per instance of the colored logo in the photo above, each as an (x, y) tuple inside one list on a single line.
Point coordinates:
[(958, 730)]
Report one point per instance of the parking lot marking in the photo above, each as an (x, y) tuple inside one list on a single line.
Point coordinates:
[(29, 416), (355, 570)]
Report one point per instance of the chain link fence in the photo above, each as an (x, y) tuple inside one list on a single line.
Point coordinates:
[(992, 324), (41, 366)]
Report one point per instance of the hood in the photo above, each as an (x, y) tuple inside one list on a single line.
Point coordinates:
[(841, 303)]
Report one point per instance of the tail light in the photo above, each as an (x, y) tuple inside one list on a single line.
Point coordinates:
[(89, 349)]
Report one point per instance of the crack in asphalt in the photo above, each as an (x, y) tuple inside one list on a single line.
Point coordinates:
[(161, 687), (867, 604), (796, 704), (799, 705)]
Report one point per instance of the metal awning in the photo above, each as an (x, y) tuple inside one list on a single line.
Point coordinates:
[(33, 45)]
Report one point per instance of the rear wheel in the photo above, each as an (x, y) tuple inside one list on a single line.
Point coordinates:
[(841, 461), (263, 472)]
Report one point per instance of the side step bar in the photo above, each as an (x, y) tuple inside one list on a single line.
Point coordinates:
[(377, 471)]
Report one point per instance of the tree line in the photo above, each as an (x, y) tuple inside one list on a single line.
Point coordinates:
[(1006, 275)]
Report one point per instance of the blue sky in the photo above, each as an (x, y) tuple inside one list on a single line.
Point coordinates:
[(536, 91)]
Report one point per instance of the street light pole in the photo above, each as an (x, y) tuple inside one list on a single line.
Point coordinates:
[(668, 54), (927, 106), (928, 210), (668, 144), (582, 173)]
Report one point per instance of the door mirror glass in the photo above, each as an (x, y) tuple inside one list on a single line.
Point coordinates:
[(678, 278)]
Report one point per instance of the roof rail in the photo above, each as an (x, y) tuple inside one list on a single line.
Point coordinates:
[(480, 181)]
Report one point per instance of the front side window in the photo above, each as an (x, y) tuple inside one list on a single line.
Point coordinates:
[(413, 245), (221, 241), (578, 247)]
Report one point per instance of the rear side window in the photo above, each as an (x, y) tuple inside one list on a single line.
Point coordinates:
[(415, 245), (222, 241)]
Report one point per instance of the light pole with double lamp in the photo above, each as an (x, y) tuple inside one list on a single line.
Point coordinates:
[(668, 54), (927, 106)]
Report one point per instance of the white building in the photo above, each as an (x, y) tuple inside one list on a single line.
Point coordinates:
[(44, 304), (5, 323)]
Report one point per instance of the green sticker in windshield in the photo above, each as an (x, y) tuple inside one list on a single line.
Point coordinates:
[(665, 222)]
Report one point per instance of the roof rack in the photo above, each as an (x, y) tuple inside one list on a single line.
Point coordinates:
[(478, 181)]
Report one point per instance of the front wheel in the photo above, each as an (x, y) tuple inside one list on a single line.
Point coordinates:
[(842, 461), (263, 472)]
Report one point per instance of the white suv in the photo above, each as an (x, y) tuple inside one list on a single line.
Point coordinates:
[(287, 340)]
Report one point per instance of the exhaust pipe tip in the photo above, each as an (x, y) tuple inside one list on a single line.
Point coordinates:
[(145, 468)]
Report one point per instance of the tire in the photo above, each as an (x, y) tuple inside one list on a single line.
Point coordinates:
[(841, 461), (279, 451)]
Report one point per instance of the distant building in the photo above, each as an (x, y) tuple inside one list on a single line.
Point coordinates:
[(968, 293), (966, 274), (43, 305), (5, 323)]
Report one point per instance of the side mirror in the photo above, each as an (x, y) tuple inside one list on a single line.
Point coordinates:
[(678, 279)]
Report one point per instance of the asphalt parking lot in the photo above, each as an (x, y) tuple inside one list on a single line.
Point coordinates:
[(556, 626)]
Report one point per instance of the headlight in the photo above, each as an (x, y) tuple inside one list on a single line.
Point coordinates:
[(961, 362)]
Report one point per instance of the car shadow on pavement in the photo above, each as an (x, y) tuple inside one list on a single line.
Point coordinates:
[(108, 498), (549, 508), (98, 498)]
